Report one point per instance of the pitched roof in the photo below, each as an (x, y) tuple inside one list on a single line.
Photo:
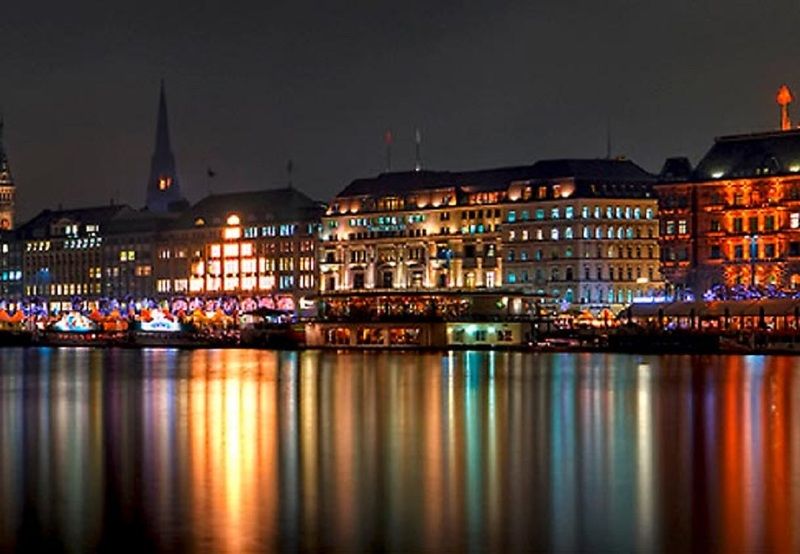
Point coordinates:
[(581, 170), (758, 154), (92, 215), (284, 204)]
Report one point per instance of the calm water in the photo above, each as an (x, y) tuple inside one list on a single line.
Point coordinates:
[(246, 450)]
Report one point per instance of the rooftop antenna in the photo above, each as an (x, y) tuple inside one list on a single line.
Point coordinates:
[(784, 98), (417, 148), (289, 170), (388, 139)]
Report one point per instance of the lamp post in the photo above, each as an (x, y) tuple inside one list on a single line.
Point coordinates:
[(753, 257)]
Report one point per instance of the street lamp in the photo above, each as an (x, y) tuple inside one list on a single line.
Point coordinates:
[(753, 256)]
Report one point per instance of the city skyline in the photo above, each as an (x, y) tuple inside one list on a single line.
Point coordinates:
[(80, 132)]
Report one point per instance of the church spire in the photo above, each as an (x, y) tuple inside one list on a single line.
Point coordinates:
[(5, 170), (162, 125), (163, 189)]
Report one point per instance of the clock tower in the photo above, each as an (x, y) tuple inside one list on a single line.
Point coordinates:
[(7, 189)]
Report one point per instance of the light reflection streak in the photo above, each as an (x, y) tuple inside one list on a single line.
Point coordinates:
[(245, 450)]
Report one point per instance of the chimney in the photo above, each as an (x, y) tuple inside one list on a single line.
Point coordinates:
[(784, 98)]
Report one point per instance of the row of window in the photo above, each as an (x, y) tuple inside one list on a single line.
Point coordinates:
[(587, 212), (611, 273), (587, 232)]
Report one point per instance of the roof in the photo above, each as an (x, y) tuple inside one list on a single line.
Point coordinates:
[(284, 204), (772, 153), (581, 170), (718, 308), (40, 224)]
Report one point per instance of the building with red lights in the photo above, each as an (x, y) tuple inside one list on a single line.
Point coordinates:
[(734, 219)]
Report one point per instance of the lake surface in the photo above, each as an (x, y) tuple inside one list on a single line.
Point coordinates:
[(239, 450)]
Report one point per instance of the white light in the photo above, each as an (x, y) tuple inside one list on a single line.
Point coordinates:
[(717, 174), (794, 168)]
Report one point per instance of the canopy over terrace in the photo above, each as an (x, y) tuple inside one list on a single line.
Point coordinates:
[(770, 313)]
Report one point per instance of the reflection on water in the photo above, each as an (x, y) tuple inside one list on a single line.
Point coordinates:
[(240, 450)]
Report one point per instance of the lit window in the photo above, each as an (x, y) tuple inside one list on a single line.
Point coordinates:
[(794, 220), (233, 219), (215, 250), (247, 249), (231, 250), (554, 234)]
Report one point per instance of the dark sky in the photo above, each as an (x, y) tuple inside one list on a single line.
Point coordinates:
[(252, 84)]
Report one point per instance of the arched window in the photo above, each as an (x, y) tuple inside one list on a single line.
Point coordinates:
[(610, 232), (554, 233), (568, 233)]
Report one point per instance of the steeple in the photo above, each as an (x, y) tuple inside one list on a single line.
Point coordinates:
[(5, 170), (163, 189)]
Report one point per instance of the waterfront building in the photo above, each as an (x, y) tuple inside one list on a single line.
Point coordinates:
[(422, 229), (583, 232), (734, 219), (530, 229), (249, 244), (63, 255)]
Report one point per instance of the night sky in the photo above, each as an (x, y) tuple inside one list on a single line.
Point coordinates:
[(253, 84)]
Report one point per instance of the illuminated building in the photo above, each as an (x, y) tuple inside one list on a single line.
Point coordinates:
[(7, 189), (535, 229), (585, 232), (735, 218), (422, 229), (65, 254), (163, 188), (260, 244)]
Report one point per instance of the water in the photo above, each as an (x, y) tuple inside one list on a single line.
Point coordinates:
[(246, 450)]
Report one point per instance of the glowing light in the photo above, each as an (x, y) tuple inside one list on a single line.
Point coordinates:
[(794, 168), (232, 233), (161, 325), (233, 219), (164, 183), (717, 174)]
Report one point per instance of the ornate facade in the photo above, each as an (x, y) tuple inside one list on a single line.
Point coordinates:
[(735, 218), (590, 245), (579, 231)]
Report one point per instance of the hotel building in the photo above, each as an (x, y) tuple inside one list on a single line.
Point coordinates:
[(577, 231), (585, 232), (734, 219)]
